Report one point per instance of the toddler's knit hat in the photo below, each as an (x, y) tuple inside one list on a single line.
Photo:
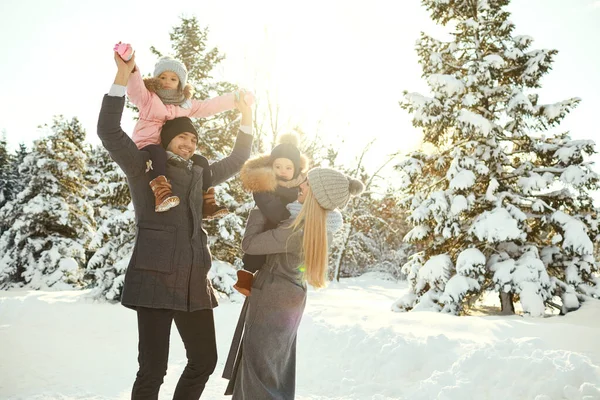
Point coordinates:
[(288, 148)]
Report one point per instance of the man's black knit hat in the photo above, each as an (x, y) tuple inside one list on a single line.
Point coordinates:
[(175, 127)]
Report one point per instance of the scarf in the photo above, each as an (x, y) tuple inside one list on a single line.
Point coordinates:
[(179, 161), (334, 217), (171, 96)]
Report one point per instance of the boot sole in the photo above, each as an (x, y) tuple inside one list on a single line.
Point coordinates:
[(245, 292), (169, 203), (218, 214)]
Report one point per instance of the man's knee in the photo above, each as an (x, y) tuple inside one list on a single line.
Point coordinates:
[(152, 372), (203, 363)]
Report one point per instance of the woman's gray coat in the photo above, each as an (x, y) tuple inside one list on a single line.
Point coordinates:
[(262, 359)]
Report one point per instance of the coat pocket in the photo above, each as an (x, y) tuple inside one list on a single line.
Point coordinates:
[(256, 305), (155, 247)]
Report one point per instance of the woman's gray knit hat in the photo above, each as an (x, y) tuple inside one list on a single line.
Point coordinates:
[(331, 188), (167, 63)]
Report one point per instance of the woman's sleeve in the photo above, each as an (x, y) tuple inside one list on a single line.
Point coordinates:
[(273, 241)]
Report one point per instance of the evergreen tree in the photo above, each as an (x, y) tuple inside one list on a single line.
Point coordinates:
[(107, 184), (112, 244), (47, 226), (498, 203), (6, 190), (16, 179)]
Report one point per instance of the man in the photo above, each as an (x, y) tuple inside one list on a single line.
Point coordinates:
[(166, 279)]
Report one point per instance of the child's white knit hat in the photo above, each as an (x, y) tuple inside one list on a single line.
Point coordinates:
[(167, 63)]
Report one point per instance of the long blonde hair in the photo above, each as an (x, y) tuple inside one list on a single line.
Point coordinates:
[(313, 218)]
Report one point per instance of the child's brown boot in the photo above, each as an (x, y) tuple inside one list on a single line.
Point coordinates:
[(244, 282), (164, 199), (210, 209)]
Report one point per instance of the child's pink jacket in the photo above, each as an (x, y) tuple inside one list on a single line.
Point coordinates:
[(153, 113)]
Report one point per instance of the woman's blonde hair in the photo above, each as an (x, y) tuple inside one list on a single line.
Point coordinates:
[(313, 219)]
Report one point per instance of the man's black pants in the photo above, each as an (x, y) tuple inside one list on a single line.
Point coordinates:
[(197, 330)]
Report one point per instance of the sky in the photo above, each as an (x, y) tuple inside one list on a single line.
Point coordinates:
[(337, 68)]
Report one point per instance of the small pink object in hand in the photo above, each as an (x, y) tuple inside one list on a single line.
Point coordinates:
[(248, 97), (124, 50)]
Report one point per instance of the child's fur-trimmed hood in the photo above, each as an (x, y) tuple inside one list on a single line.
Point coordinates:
[(257, 175)]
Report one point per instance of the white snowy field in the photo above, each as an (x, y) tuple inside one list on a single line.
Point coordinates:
[(60, 345)]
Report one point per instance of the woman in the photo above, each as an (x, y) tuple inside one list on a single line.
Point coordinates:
[(262, 363)]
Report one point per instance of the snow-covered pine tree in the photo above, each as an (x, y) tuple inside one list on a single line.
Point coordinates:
[(14, 173), (6, 183), (49, 224), (113, 241), (499, 203), (108, 189)]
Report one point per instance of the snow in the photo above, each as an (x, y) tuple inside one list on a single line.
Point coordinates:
[(417, 233), (446, 84), (464, 179), (459, 204), (574, 175), (61, 345), (477, 121), (469, 260), (495, 60), (533, 182), (495, 226), (572, 150), (435, 272), (575, 236)]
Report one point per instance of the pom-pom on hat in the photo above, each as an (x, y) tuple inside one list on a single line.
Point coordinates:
[(332, 189)]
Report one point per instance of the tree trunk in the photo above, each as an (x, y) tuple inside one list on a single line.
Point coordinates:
[(338, 263), (506, 304)]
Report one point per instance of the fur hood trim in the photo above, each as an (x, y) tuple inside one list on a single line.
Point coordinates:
[(257, 175), (153, 84)]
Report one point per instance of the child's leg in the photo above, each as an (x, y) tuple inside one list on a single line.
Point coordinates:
[(158, 157), (157, 169), (210, 209), (252, 262)]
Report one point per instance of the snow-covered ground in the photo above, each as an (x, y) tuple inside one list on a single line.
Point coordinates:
[(60, 345)]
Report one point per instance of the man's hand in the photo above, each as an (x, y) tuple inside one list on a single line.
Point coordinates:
[(244, 108), (124, 69)]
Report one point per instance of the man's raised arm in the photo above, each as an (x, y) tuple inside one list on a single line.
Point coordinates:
[(120, 146), (231, 165)]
